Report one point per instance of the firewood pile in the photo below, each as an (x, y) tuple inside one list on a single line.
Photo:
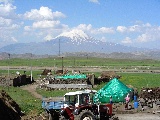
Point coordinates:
[(106, 76), (150, 93), (149, 98), (5, 81)]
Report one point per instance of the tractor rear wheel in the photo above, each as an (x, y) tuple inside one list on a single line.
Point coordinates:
[(85, 115)]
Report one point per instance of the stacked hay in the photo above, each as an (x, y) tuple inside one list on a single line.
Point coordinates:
[(9, 109)]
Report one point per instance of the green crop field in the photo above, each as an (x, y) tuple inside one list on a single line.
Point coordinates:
[(78, 61)]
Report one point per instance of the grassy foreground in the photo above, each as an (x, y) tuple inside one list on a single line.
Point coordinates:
[(24, 99)]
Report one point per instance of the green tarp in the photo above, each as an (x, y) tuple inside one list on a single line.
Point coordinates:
[(114, 88), (74, 76)]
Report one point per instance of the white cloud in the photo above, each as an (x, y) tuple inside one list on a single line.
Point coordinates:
[(94, 31), (44, 13), (150, 33), (134, 28), (121, 29), (7, 10), (45, 24), (6, 1), (5, 22), (14, 26), (27, 28), (58, 14), (146, 25), (84, 27), (94, 1), (106, 30), (8, 22), (143, 38), (127, 40), (147, 37)]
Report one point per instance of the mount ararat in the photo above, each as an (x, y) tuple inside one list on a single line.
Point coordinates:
[(73, 42)]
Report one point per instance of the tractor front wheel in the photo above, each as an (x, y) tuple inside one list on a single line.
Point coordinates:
[(85, 115)]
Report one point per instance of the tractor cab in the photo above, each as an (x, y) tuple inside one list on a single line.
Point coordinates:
[(71, 99), (78, 98)]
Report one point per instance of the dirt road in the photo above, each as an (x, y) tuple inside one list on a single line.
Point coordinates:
[(32, 89)]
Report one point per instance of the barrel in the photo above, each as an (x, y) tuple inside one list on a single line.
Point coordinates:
[(135, 104), (135, 98)]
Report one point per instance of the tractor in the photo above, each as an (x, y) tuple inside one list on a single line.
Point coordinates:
[(79, 105)]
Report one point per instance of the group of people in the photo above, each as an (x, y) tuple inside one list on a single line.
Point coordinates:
[(127, 100)]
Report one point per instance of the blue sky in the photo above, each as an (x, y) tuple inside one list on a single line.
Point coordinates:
[(127, 22)]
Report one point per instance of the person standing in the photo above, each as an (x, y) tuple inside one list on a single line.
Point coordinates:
[(127, 98), (111, 102)]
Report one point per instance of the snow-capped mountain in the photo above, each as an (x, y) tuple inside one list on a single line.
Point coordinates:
[(75, 35), (73, 41)]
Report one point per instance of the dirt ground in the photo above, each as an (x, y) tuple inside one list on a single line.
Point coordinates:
[(139, 116)]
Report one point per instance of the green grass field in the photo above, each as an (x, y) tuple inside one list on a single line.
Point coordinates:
[(139, 80)]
